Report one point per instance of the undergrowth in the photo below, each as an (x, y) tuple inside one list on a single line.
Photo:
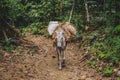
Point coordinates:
[(106, 44), (36, 28)]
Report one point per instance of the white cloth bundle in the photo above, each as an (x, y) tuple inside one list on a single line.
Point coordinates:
[(52, 26)]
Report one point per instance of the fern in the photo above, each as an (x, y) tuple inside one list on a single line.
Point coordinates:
[(108, 71)]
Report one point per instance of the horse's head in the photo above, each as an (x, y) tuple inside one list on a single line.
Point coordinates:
[(60, 38)]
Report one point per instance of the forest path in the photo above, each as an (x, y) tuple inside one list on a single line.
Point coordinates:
[(39, 63)]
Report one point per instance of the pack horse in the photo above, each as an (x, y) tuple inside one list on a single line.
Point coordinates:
[(61, 33)]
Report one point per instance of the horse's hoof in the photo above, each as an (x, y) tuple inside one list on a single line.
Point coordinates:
[(53, 56), (60, 68)]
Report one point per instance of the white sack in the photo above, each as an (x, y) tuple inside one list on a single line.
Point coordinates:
[(52, 26)]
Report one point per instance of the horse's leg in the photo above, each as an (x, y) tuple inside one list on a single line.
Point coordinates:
[(54, 48), (59, 59), (63, 61)]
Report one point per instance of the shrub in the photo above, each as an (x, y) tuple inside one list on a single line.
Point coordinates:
[(108, 71)]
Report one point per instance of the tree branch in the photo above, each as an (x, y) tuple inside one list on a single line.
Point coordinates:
[(12, 27), (5, 35), (87, 12), (71, 11)]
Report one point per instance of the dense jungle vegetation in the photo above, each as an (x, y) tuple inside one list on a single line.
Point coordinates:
[(97, 23)]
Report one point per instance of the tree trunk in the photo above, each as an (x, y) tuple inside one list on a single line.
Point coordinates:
[(87, 15), (87, 12), (71, 11)]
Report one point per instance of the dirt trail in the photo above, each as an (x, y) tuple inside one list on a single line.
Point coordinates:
[(42, 66)]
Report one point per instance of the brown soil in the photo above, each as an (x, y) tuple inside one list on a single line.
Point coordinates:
[(32, 63)]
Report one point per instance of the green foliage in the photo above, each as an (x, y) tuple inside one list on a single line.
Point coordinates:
[(91, 64), (117, 30), (77, 21), (107, 44), (32, 27), (108, 71), (118, 78), (107, 53), (102, 55), (4, 7), (36, 28), (18, 9), (97, 21), (8, 46)]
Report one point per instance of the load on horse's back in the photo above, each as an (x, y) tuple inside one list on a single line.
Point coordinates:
[(61, 33), (69, 29)]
